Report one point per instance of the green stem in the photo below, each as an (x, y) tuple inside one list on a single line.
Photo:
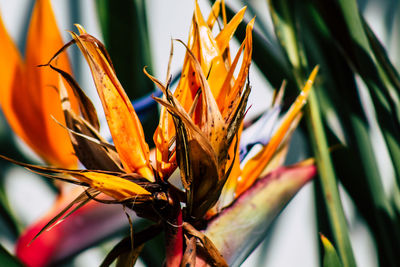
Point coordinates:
[(328, 182)]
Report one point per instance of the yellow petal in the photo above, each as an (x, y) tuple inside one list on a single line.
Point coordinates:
[(124, 124), (114, 186), (255, 166)]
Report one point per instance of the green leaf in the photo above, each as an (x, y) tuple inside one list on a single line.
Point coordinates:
[(365, 56), (284, 18), (331, 259), (356, 165)]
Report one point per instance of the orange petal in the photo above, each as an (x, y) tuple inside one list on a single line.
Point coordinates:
[(11, 85), (29, 101), (232, 98), (229, 79), (255, 166), (43, 41), (212, 125), (212, 18), (206, 50), (185, 93), (211, 60), (124, 124), (223, 12), (227, 32)]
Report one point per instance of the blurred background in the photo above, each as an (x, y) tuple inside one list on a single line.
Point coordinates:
[(293, 238)]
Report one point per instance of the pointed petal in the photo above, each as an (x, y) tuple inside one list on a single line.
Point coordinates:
[(43, 41), (185, 93), (111, 185), (210, 57), (239, 228), (205, 49), (228, 192), (198, 161), (231, 98), (254, 167), (124, 124), (227, 32), (212, 125), (165, 132), (212, 18), (86, 106)]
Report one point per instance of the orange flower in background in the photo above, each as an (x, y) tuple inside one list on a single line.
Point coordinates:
[(28, 97)]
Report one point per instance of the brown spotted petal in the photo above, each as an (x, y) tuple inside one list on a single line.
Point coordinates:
[(197, 161), (124, 124), (196, 157)]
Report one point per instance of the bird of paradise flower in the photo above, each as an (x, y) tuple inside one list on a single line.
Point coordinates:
[(198, 134)]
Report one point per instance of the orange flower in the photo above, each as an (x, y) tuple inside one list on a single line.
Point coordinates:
[(199, 132), (28, 96)]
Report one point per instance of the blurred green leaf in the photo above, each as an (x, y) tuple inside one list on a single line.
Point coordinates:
[(357, 165), (284, 18), (346, 26), (6, 259)]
